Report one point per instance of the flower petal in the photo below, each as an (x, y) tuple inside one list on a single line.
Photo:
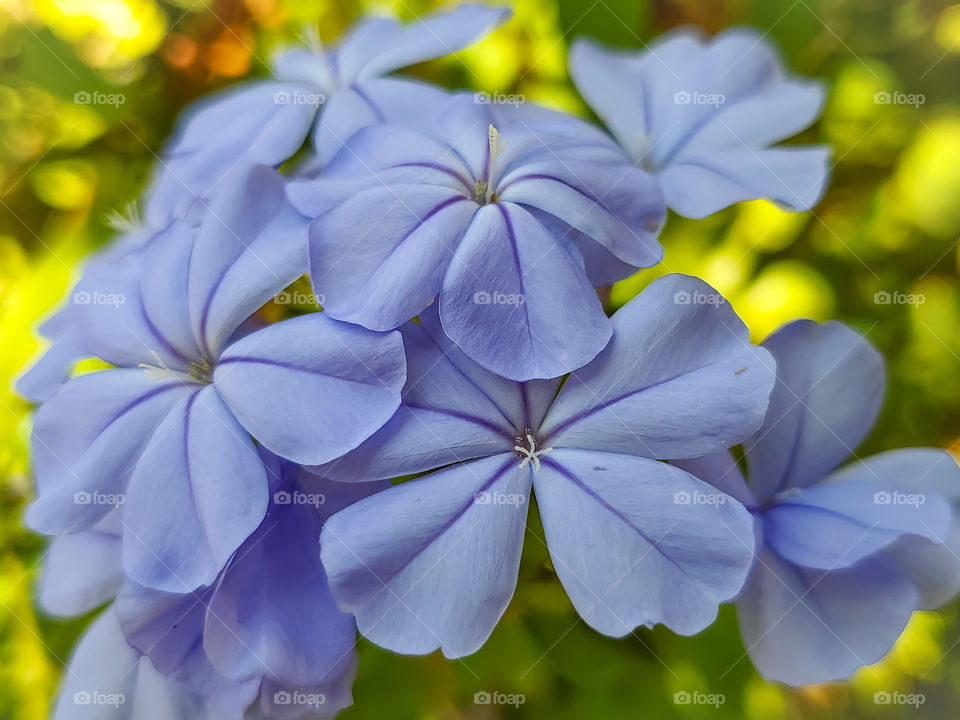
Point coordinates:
[(835, 524), (679, 379), (638, 542), (372, 102), (196, 494), (109, 680), (378, 46), (271, 611), (252, 244), (428, 564), (721, 470), (701, 114), (311, 388), (513, 297), (809, 626), (379, 258), (618, 206), (168, 628), (793, 177), (86, 440), (452, 410), (268, 123), (82, 571), (830, 383)]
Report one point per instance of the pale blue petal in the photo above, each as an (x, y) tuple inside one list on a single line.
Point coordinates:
[(679, 379), (805, 626), (835, 524), (252, 244), (379, 258), (516, 302), (617, 206), (428, 563), (378, 46), (86, 441), (82, 571), (197, 493), (271, 612), (311, 388), (830, 385), (452, 410), (638, 542), (721, 470)]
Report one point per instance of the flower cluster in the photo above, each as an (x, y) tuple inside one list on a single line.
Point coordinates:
[(223, 485)]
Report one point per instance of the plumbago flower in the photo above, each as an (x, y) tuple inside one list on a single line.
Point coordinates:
[(335, 90), (701, 115), (432, 562), (843, 556), (494, 209), (264, 641), (168, 429), (65, 328)]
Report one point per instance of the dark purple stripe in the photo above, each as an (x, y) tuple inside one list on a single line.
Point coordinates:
[(465, 417), (613, 401), (447, 525), (434, 166), (516, 261), (470, 380), (166, 344), (554, 178), (139, 401), (205, 315), (579, 483)]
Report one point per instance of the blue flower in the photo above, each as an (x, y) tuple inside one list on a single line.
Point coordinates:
[(167, 432), (508, 214), (701, 115), (843, 555), (266, 122), (432, 562), (265, 635)]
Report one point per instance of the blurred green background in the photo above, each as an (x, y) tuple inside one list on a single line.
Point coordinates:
[(889, 223)]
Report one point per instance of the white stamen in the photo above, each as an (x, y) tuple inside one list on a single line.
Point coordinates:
[(485, 192), (310, 36), (160, 371), (531, 454), (127, 220)]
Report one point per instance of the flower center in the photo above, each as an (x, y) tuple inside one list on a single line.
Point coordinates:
[(199, 371), (484, 192), (528, 453)]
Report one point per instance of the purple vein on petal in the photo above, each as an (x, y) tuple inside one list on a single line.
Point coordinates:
[(616, 513)]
